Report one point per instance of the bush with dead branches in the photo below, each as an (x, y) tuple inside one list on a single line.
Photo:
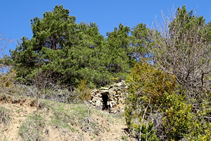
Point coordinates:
[(182, 48)]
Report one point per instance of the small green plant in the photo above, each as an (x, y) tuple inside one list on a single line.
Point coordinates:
[(4, 116), (124, 138), (108, 129), (28, 129), (145, 131)]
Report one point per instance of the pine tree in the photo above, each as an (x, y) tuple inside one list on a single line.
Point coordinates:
[(118, 47), (67, 51), (140, 40)]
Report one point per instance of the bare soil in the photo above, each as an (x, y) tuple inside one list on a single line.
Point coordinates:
[(109, 127)]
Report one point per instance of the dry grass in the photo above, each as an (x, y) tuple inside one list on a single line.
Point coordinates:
[(28, 129), (4, 116), (59, 121)]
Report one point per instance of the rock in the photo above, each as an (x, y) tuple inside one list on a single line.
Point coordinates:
[(113, 110), (98, 105), (118, 84), (112, 92), (111, 96), (104, 88), (104, 91)]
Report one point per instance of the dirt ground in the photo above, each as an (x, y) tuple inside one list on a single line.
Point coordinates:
[(113, 129)]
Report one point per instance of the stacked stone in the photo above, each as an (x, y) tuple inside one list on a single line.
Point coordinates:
[(115, 94), (96, 97)]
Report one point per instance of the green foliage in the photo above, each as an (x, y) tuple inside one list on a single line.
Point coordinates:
[(67, 52), (177, 118), (182, 48), (83, 91), (145, 131), (157, 107), (140, 40), (185, 109), (150, 82), (146, 89), (7, 79), (117, 47), (187, 21), (154, 94), (200, 125)]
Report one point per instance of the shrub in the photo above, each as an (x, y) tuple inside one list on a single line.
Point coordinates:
[(7, 79), (155, 106), (4, 116), (28, 129), (177, 117), (83, 91)]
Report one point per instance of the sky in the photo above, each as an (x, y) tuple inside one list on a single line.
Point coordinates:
[(15, 15)]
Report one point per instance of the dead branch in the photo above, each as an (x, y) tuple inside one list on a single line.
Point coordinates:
[(182, 48)]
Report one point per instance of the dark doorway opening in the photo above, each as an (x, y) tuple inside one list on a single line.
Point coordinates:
[(105, 100)]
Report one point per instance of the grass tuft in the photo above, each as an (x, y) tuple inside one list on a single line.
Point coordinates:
[(28, 129), (4, 116)]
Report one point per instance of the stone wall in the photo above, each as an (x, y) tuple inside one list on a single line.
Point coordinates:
[(110, 98)]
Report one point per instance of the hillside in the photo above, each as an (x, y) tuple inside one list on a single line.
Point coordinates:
[(57, 121), (160, 78)]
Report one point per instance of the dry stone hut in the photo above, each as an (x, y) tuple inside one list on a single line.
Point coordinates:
[(109, 98)]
